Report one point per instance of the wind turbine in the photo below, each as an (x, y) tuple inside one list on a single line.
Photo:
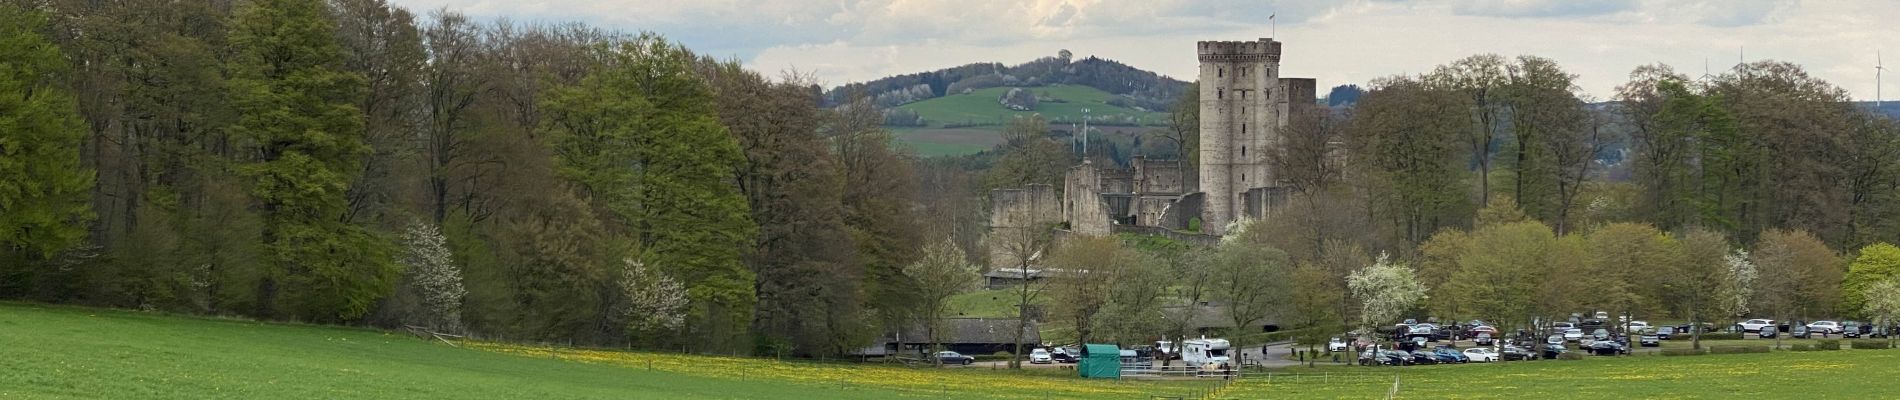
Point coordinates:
[(1879, 67)]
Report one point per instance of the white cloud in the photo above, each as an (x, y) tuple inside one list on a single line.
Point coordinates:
[(1337, 42)]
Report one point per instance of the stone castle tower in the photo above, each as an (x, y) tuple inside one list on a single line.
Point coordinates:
[(1244, 105)]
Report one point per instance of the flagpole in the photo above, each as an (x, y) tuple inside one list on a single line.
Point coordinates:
[(1273, 26)]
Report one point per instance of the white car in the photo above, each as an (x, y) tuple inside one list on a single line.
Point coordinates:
[(1338, 344), (1825, 327), (1755, 325), (1573, 335), (1040, 356), (1561, 326), (1639, 326), (1481, 354)]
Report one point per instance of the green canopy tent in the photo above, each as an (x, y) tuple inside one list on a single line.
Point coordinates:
[(1100, 361)]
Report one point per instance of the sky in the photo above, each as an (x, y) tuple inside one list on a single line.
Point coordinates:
[(1336, 42)]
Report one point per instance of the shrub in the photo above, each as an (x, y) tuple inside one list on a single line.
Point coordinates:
[(1829, 344), (1738, 349), (1804, 347), (1721, 336), (1871, 344), (1683, 352)]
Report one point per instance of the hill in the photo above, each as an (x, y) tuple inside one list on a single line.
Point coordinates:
[(68, 352), (958, 110), (969, 122)]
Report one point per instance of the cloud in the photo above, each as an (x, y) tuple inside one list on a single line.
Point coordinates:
[(1348, 41), (1541, 8)]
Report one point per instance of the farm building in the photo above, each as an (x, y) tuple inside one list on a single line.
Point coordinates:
[(970, 336)]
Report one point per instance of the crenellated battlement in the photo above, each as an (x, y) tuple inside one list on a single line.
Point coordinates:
[(1265, 49)]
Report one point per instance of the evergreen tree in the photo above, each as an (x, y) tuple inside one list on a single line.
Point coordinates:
[(43, 188), (296, 107)]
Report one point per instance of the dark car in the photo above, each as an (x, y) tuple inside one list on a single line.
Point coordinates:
[(1424, 357), (1449, 355), (954, 358), (1063, 355), (1608, 348), (1853, 329), (1514, 353), (1600, 334), (1799, 332), (1384, 357), (1552, 350), (1649, 340), (1665, 332), (1484, 339), (1766, 333)]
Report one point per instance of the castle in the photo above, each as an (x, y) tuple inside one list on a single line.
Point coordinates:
[(1244, 105)]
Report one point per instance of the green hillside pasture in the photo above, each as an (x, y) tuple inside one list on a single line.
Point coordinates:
[(981, 107), (53, 352), (930, 142), (1844, 374)]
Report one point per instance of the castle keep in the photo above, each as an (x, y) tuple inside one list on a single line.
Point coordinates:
[(1244, 105)]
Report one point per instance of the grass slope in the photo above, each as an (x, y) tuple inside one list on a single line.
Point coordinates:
[(984, 117), (56, 352), (1845, 374), (981, 106)]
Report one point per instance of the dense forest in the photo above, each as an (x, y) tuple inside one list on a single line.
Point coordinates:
[(352, 162)]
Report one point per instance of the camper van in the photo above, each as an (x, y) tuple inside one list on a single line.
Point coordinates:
[(1206, 353)]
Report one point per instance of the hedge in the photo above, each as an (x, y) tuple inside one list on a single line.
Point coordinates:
[(1871, 344), (1829, 344), (1682, 352), (1738, 349), (1804, 347), (1721, 336)]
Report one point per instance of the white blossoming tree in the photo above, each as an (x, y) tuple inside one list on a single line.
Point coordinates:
[(1883, 303), (1741, 286), (654, 300), (1385, 290), (432, 277)]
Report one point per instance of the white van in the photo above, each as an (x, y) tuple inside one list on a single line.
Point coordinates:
[(1206, 353)]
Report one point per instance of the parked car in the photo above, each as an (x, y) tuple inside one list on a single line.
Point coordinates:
[(1664, 332), (1552, 350), (1392, 357), (1514, 353), (1649, 340), (1766, 333), (1600, 334), (1561, 326), (1853, 329), (954, 358), (1449, 355), (1427, 331), (1422, 356), (1371, 357), (1755, 324), (1608, 348), (1799, 332), (1638, 326), (1064, 355), (1824, 327), (1481, 354), (1040, 356), (1336, 345), (1572, 335), (1484, 339)]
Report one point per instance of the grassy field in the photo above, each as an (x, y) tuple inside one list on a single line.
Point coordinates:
[(1844, 373), (57, 352), (980, 109)]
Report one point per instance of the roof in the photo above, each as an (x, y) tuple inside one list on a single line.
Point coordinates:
[(1096, 348)]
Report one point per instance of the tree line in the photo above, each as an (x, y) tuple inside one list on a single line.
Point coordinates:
[(348, 161)]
